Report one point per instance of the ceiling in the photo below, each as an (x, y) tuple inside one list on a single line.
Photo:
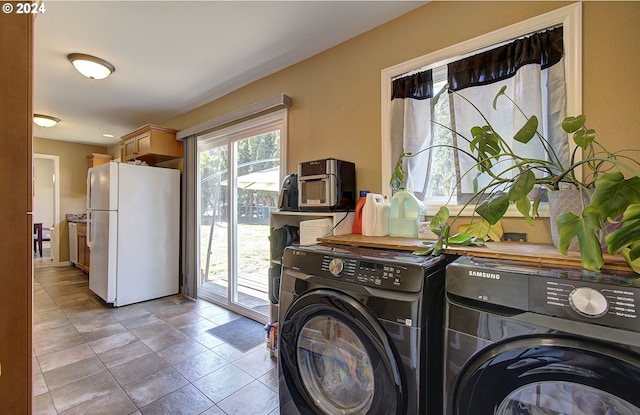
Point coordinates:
[(173, 56)]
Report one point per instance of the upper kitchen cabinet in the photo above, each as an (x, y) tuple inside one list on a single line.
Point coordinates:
[(150, 143), (96, 159)]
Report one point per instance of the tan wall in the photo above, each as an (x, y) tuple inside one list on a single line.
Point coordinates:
[(336, 94), (73, 180)]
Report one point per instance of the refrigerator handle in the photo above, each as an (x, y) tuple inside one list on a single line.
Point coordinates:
[(89, 230), (89, 176)]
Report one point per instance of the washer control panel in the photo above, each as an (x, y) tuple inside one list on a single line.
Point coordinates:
[(373, 273), (383, 269)]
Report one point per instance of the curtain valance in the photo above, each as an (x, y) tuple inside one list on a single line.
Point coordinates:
[(415, 86), (545, 49)]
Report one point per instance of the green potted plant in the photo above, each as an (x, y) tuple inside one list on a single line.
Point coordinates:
[(609, 185)]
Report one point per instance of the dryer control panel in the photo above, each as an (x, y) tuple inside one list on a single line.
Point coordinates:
[(608, 302), (568, 293)]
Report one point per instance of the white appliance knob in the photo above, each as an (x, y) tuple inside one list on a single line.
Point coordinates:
[(588, 302), (335, 266)]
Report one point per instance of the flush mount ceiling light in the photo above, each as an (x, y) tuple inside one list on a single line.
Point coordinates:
[(45, 120), (90, 66)]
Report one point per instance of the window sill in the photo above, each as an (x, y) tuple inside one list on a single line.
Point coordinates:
[(460, 210)]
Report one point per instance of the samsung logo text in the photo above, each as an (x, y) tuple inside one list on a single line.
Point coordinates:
[(488, 275)]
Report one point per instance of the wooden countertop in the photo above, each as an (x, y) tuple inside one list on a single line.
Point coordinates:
[(541, 254)]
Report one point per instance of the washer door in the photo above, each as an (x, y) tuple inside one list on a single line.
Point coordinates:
[(336, 358), (552, 377)]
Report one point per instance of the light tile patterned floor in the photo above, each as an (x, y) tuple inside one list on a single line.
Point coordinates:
[(148, 358)]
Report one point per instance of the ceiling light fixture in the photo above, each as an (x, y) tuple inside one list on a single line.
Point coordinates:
[(45, 120), (90, 66)]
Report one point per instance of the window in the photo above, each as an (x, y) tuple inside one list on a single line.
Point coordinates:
[(442, 179)]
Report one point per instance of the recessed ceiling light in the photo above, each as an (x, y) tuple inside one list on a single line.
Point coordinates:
[(91, 66), (108, 135), (45, 120)]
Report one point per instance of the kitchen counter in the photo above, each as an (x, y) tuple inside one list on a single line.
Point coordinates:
[(76, 217), (541, 254)]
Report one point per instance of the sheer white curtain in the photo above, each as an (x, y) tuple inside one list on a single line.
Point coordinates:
[(538, 92), (411, 132)]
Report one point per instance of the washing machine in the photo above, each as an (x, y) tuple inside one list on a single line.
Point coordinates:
[(521, 339), (360, 331)]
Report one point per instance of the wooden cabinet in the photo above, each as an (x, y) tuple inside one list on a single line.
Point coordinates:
[(84, 256), (96, 159), (150, 143)]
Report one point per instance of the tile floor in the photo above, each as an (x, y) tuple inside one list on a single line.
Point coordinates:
[(148, 358)]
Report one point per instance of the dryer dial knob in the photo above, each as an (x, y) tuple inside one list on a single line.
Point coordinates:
[(588, 302), (335, 266)]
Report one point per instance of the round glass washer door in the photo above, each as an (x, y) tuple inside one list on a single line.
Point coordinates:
[(335, 367), (336, 358)]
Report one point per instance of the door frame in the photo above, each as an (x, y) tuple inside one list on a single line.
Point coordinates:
[(55, 241), (228, 137)]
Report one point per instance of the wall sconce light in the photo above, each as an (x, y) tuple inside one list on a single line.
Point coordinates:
[(90, 66), (45, 120)]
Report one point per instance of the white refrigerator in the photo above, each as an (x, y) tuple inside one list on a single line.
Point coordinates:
[(133, 227)]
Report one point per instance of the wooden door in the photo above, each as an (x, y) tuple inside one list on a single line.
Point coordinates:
[(16, 246)]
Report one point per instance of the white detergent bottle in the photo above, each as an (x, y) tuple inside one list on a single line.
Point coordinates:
[(405, 212), (375, 216)]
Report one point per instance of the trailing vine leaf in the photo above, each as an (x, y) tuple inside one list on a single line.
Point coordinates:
[(584, 227), (524, 207), (634, 252), (534, 207), (439, 219), (496, 232), (573, 124), (429, 246), (495, 99), (614, 193), (522, 186), (528, 130), (483, 230), (486, 146), (440, 243), (397, 177), (584, 138), (494, 207), (628, 233), (463, 239), (634, 262)]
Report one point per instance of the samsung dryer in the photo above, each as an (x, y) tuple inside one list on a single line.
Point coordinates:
[(522, 339)]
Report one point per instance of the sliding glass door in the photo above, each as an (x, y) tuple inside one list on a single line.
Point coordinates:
[(239, 180)]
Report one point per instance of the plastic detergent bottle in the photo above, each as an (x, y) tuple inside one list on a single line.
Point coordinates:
[(375, 216), (405, 212), (357, 216)]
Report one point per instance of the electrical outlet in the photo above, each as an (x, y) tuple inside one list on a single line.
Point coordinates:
[(514, 236)]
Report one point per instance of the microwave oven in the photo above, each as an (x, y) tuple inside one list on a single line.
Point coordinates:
[(326, 185)]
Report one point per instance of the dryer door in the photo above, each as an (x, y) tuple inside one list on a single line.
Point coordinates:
[(335, 358), (549, 376)]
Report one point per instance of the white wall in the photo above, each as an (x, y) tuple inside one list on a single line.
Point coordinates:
[(43, 189)]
